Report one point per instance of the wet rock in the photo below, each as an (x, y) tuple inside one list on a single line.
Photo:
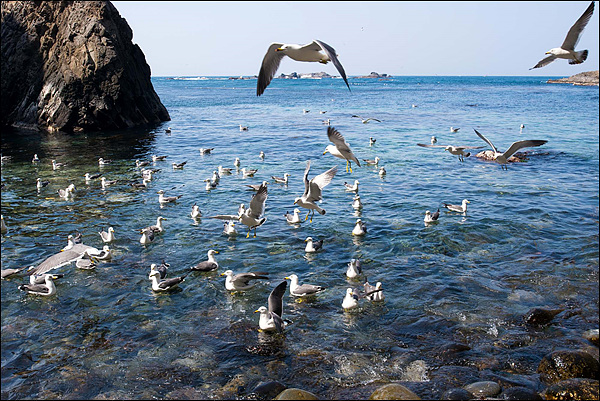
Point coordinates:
[(269, 389), (562, 365), (416, 371), (457, 394), (591, 336), (296, 394), (520, 393), (573, 389), (540, 316), (484, 389), (232, 387), (393, 391)]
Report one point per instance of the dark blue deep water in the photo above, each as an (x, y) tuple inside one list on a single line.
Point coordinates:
[(529, 239)]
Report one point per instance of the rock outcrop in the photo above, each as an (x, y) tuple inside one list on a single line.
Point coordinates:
[(72, 66), (589, 78)]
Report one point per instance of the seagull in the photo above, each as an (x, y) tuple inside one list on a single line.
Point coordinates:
[(46, 289), (366, 120), (567, 49), (158, 228), (271, 317), (313, 190), (237, 162), (108, 236), (251, 217), (210, 184), (156, 158), (229, 228), (166, 199), (71, 241), (56, 165), (452, 129), (372, 141), (147, 236), (196, 213), (242, 128), (430, 218), (139, 163), (327, 122), (106, 183), (3, 228), (41, 184), (373, 162), (502, 158), (105, 254), (353, 187), (86, 261), (305, 111), (206, 151), (433, 140), (354, 268), (139, 185), (102, 162), (340, 148), (313, 246), (67, 192), (256, 187), (310, 52), (262, 155), (164, 285), (304, 289), (161, 269), (322, 111), (462, 208), (356, 203), (521, 128), (41, 278), (281, 180), (376, 292), (207, 265), (10, 272), (241, 281), (89, 177), (352, 297), (168, 130), (179, 165), (35, 159), (382, 171), (216, 178), (249, 172), (293, 218), (222, 170), (455, 150), (360, 228)]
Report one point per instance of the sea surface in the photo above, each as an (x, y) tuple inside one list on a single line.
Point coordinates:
[(455, 292)]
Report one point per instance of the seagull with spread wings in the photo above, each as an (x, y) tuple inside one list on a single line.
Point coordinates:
[(365, 120), (340, 148), (310, 53), (270, 319), (455, 150), (313, 190), (567, 49), (502, 158)]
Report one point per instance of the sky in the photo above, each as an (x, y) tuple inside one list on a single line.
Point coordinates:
[(220, 38)]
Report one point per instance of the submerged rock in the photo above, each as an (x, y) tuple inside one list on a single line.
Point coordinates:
[(72, 66), (484, 389), (541, 316), (296, 394), (393, 391), (562, 365), (269, 389), (520, 393), (573, 389), (457, 394)]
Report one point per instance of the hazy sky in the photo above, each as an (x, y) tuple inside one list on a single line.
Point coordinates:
[(398, 38)]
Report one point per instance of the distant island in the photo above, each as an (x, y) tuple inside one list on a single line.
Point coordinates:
[(589, 78)]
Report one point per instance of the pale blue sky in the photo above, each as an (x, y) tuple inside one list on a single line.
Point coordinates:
[(398, 38)]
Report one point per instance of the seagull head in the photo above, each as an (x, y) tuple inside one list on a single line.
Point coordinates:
[(228, 273), (262, 310), (296, 200)]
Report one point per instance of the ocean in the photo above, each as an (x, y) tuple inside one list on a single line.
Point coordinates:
[(456, 291)]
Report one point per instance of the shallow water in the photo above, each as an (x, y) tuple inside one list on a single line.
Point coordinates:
[(529, 239)]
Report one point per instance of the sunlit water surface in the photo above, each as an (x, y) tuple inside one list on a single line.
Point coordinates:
[(529, 239)]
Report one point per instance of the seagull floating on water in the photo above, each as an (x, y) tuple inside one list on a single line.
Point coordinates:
[(360, 228), (89, 177), (207, 265), (313, 190), (372, 141), (262, 155), (241, 281), (271, 318), (108, 236), (352, 187), (462, 208), (354, 268), (102, 162), (196, 213), (340, 148), (206, 151), (229, 228), (222, 170), (166, 199), (179, 165), (356, 203), (106, 183), (147, 237), (567, 49), (310, 53), (46, 289), (312, 245), (373, 162), (452, 129), (156, 158), (293, 218), (165, 285), (375, 291), (281, 180), (248, 172), (242, 128), (41, 184), (502, 158), (56, 165), (430, 218), (382, 171), (35, 158), (433, 140), (304, 289)]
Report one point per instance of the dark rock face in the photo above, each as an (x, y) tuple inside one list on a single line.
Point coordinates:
[(562, 365), (573, 389), (72, 66)]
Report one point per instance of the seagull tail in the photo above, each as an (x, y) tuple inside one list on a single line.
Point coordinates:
[(581, 57)]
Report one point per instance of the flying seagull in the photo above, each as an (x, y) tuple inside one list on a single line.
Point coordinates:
[(310, 53), (313, 190), (567, 49), (365, 120), (455, 150), (502, 158), (340, 148)]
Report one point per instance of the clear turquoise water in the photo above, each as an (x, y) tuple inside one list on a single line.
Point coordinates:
[(529, 239)]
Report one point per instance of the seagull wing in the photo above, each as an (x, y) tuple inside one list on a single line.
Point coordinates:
[(469, 147), (340, 143), (257, 204), (242, 279), (306, 182), (170, 282), (308, 289), (486, 141), (575, 32), (522, 144), (330, 52), (275, 302), (319, 182), (269, 67), (544, 61), (431, 146)]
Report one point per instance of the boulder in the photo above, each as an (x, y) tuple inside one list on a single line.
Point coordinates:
[(562, 365), (573, 389), (296, 394), (72, 66), (588, 78), (393, 391)]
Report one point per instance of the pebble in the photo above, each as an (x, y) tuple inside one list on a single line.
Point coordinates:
[(484, 389)]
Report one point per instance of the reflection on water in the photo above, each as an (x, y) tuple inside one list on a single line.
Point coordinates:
[(455, 291)]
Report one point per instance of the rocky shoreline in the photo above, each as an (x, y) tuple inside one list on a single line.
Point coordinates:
[(589, 78)]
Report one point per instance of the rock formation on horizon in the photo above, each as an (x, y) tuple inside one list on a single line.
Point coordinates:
[(588, 78), (72, 66)]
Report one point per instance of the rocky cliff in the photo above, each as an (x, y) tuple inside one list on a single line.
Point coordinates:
[(589, 78), (72, 66)]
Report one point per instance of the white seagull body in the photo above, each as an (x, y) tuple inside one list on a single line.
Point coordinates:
[(313, 190), (270, 318), (342, 149), (502, 158)]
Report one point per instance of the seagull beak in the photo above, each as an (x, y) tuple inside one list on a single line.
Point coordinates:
[(279, 49), (257, 309), (286, 278), (547, 53), (468, 201), (324, 152), (222, 274), (216, 251)]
